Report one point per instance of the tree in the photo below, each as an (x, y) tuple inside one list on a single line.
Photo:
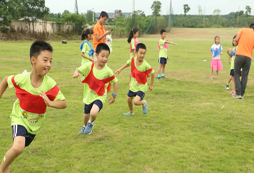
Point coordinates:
[(248, 10), (90, 16), (4, 13), (186, 9), (156, 8)]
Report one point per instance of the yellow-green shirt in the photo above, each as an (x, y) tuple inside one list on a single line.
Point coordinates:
[(86, 49)]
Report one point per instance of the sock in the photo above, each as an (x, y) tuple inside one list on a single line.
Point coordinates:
[(162, 74), (159, 75)]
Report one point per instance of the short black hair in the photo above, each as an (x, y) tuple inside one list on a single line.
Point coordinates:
[(251, 25), (39, 46), (104, 14), (163, 30), (100, 47), (140, 46)]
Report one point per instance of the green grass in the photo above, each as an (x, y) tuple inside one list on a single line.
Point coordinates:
[(185, 130)]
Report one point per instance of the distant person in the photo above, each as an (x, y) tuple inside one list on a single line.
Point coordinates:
[(99, 33), (140, 71), (245, 40), (98, 78), (216, 51), (133, 41), (86, 47), (231, 59), (163, 53), (35, 91), (109, 42)]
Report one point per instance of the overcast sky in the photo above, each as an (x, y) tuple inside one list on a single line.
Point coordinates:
[(226, 6)]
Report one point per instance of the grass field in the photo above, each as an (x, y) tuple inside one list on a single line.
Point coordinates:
[(193, 124)]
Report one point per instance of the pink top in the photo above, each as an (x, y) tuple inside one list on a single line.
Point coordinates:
[(136, 42), (165, 45)]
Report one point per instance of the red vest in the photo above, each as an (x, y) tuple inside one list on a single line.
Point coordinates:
[(33, 103), (141, 77), (97, 85)]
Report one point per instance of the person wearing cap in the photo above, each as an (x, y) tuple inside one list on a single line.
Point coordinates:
[(245, 40)]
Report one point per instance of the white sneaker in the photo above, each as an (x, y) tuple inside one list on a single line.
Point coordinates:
[(237, 96)]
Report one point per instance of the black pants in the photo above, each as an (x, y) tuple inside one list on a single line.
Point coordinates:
[(241, 62)]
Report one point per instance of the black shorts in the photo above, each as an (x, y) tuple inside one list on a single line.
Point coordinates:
[(162, 60), (87, 108), (139, 93), (19, 130), (232, 72)]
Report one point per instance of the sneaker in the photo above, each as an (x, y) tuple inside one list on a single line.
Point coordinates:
[(82, 131), (145, 108), (237, 96), (128, 113), (227, 87), (162, 76), (159, 77), (89, 128)]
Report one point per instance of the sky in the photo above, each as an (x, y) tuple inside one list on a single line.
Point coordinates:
[(225, 6)]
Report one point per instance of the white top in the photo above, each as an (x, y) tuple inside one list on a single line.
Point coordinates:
[(216, 47), (108, 40)]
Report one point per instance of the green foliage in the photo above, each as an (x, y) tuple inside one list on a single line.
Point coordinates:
[(90, 15), (186, 8), (248, 10), (4, 13), (156, 7), (75, 19)]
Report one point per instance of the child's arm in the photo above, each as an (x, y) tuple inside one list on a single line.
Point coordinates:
[(54, 104), (76, 74), (229, 58), (231, 50), (89, 58), (170, 42), (3, 86), (123, 67), (112, 98), (211, 53), (152, 80)]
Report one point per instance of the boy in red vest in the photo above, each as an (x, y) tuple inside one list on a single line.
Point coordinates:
[(140, 71), (35, 91), (98, 79)]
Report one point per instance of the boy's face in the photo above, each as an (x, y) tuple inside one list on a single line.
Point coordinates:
[(42, 63), (102, 57), (141, 53), (163, 35), (217, 40), (103, 20)]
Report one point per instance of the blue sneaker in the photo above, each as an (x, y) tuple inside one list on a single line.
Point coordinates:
[(82, 131), (89, 128), (128, 113), (145, 108)]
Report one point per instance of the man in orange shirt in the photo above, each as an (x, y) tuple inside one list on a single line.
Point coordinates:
[(245, 39), (99, 33)]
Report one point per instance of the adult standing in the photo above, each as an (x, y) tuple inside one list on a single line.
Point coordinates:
[(99, 33), (245, 40)]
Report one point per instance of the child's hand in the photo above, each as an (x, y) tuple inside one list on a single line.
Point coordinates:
[(111, 99), (174, 43), (118, 71), (91, 59), (213, 56), (167, 57), (228, 51), (150, 87), (76, 74), (231, 50), (45, 98)]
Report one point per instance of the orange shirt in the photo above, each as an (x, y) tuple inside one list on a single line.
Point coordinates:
[(245, 42), (99, 30)]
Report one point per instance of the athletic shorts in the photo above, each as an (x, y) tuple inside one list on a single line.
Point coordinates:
[(232, 72), (87, 108), (162, 60), (139, 93), (19, 130)]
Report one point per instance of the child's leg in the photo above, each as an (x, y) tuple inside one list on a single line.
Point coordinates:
[(93, 113), (16, 149), (217, 73), (163, 68), (86, 118), (233, 83), (211, 73), (229, 80), (138, 101), (130, 104), (159, 70)]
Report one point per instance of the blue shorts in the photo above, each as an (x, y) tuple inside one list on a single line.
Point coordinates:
[(87, 108), (139, 93), (232, 72), (19, 130), (162, 60)]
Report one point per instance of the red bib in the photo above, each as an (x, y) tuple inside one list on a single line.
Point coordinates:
[(141, 77), (33, 103), (97, 85)]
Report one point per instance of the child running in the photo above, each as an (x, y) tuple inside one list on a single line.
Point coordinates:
[(163, 55), (140, 71), (231, 53), (35, 91), (216, 51), (98, 78), (86, 47)]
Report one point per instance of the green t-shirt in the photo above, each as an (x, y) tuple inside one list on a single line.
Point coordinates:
[(132, 47), (233, 59), (31, 121), (85, 49), (90, 95), (135, 86), (163, 51)]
